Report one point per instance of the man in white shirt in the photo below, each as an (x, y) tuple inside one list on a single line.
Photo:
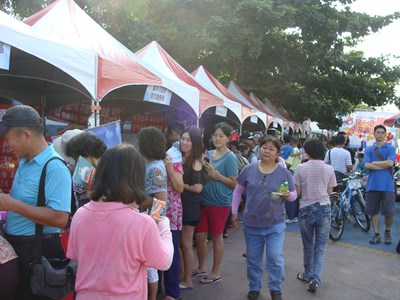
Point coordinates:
[(338, 157)]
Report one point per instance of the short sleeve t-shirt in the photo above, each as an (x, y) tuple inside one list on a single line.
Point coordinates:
[(25, 188), (285, 151), (314, 177), (155, 179), (380, 180), (215, 193), (263, 209), (339, 159)]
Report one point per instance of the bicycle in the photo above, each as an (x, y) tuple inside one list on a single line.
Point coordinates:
[(348, 202)]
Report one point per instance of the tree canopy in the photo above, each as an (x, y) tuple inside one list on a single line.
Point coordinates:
[(298, 54)]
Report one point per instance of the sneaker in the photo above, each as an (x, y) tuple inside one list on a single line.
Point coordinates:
[(376, 239), (276, 295), (313, 286), (295, 220), (253, 295), (288, 221), (388, 238)]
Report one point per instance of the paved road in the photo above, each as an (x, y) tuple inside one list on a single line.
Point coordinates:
[(353, 269)]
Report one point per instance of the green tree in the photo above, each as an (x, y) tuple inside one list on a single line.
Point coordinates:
[(295, 52)]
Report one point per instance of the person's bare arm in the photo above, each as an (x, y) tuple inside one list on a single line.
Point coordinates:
[(43, 215), (175, 177)]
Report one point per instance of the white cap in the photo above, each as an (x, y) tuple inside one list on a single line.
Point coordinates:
[(60, 142)]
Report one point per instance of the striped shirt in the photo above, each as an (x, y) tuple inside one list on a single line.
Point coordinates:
[(314, 177), (339, 159)]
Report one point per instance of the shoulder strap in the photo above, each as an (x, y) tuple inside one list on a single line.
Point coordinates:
[(329, 157), (381, 158), (41, 202)]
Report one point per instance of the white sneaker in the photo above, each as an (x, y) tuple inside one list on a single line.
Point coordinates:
[(288, 221), (295, 220)]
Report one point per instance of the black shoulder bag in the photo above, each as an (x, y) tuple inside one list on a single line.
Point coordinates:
[(51, 277)]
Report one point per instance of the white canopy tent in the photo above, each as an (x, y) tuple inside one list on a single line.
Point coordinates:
[(42, 70)]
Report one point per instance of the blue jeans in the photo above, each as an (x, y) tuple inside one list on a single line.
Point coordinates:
[(315, 220), (272, 238)]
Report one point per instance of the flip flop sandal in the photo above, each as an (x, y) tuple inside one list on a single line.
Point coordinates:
[(197, 273), (210, 279), (301, 277), (184, 288)]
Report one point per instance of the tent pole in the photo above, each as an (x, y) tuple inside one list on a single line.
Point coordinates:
[(43, 104)]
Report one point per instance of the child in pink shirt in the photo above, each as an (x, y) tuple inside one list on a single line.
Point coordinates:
[(112, 242)]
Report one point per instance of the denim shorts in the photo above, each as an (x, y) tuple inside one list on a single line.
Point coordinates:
[(378, 201)]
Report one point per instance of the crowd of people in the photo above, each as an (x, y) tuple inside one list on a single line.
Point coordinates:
[(124, 253)]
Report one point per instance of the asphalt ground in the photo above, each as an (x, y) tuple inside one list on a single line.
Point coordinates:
[(353, 268)]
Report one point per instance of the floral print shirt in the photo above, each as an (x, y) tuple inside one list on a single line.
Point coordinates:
[(7, 252), (174, 207)]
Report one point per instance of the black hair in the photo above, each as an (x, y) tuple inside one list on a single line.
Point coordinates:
[(119, 176), (195, 136), (314, 149), (380, 126), (269, 138), (287, 138), (235, 144), (85, 144), (226, 129), (152, 143), (340, 140)]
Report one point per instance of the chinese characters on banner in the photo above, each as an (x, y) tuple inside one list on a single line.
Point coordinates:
[(8, 161), (359, 126), (140, 121), (79, 113)]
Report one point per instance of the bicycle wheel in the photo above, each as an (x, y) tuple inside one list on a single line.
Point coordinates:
[(337, 223), (358, 211)]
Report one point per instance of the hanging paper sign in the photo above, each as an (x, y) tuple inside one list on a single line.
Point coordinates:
[(275, 124), (5, 51), (221, 111), (157, 94), (253, 119)]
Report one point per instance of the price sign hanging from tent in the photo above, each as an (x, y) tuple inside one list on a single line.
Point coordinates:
[(5, 51), (158, 94)]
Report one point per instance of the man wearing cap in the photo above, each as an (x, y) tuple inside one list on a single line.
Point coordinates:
[(22, 130)]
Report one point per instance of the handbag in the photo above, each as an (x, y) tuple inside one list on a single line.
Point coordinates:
[(50, 277)]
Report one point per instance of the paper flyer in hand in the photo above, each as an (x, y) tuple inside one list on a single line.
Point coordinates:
[(159, 208), (175, 154), (83, 175)]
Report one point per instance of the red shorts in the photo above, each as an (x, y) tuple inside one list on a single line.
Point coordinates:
[(213, 219)]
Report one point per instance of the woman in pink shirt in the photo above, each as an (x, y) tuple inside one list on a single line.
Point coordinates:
[(112, 242)]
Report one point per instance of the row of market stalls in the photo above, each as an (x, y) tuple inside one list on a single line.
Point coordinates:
[(72, 70)]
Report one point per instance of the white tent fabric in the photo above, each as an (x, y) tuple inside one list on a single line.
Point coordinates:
[(154, 54), (233, 88), (202, 77), (76, 62), (118, 66)]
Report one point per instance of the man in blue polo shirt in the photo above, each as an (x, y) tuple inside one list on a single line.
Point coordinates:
[(23, 129), (379, 160)]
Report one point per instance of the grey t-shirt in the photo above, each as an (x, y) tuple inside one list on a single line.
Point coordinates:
[(263, 210)]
